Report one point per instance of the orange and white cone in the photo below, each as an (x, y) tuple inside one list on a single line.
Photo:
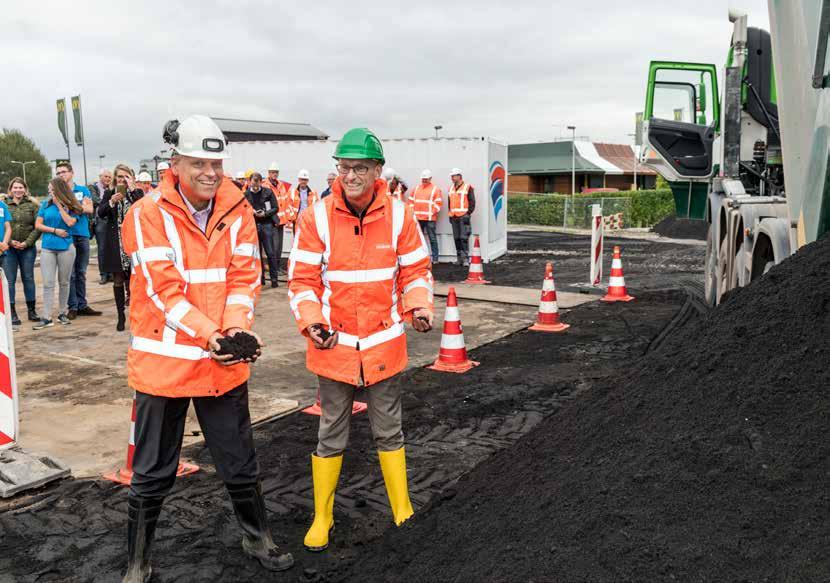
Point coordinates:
[(452, 356), (476, 274), (316, 409), (548, 318), (616, 281), (125, 474)]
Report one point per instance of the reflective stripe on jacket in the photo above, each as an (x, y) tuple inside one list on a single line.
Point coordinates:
[(185, 286), (458, 200), (362, 279), (285, 212), (426, 200)]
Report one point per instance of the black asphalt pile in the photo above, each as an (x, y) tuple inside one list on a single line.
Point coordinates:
[(241, 345), (676, 228), (706, 460)]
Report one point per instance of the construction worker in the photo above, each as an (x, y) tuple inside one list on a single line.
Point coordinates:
[(239, 180), (426, 200), (264, 203), (358, 270), (301, 195), (396, 186), (285, 212), (144, 181), (196, 266), (462, 203), (161, 169), (329, 180)]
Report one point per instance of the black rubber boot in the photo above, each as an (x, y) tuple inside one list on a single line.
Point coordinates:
[(142, 517), (33, 317), (120, 300), (249, 506), (15, 320)]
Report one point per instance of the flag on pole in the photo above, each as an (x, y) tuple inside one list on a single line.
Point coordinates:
[(79, 128), (62, 120)]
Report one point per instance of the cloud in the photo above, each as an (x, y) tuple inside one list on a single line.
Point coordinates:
[(518, 71)]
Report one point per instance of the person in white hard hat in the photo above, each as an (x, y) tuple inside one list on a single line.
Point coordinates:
[(397, 188), (144, 181), (302, 196), (161, 169), (285, 212), (462, 203), (426, 201), (239, 180), (195, 256)]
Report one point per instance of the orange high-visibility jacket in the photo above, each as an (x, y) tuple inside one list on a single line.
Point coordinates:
[(426, 200), (399, 192), (285, 212), (185, 286), (294, 197), (362, 279), (458, 200)]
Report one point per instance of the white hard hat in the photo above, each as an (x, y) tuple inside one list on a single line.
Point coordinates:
[(427, 173), (163, 166), (273, 166), (455, 171), (144, 176), (388, 173), (303, 174), (197, 136), (240, 175)]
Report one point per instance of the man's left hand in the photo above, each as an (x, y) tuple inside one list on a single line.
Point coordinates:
[(230, 332), (422, 320)]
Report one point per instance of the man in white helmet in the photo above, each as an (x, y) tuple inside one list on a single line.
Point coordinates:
[(162, 169), (397, 188), (302, 196), (462, 203), (194, 252), (144, 181), (426, 201), (285, 212)]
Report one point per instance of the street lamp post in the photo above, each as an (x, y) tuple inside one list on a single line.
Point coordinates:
[(437, 127), (573, 159), (23, 164), (101, 162)]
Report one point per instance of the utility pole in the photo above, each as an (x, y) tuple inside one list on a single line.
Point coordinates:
[(23, 164), (573, 159), (636, 158)]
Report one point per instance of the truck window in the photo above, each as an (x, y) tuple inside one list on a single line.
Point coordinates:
[(684, 94)]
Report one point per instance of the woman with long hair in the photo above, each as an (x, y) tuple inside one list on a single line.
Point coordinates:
[(57, 252), (114, 206), (22, 250)]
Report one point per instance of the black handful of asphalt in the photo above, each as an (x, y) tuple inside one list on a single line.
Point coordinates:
[(241, 345)]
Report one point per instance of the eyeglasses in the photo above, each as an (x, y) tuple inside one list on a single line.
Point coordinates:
[(360, 169)]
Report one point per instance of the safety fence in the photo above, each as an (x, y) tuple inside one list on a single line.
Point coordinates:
[(637, 209)]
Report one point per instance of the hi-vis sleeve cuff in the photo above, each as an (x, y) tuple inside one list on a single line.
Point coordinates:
[(306, 308)]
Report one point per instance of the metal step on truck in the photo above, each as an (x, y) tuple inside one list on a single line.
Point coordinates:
[(752, 161)]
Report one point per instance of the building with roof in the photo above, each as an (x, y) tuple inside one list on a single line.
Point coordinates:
[(546, 167), (244, 130)]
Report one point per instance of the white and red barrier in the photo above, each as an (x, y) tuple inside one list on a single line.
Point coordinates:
[(452, 354), (597, 224), (613, 222), (476, 274), (547, 320), (8, 378)]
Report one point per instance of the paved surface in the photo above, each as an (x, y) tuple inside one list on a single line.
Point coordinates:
[(75, 403), (511, 295)]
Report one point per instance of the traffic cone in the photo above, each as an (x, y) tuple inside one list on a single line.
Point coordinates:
[(452, 356), (125, 474), (315, 409), (616, 281), (548, 318), (476, 274)]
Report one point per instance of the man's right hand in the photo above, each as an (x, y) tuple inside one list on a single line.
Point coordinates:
[(315, 332), (213, 344)]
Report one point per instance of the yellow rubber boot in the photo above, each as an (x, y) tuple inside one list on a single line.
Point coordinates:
[(393, 466), (325, 472)]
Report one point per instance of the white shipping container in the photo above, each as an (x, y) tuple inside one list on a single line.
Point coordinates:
[(482, 160)]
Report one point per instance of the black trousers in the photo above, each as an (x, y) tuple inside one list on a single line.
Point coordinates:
[(270, 248), (461, 233), (159, 427)]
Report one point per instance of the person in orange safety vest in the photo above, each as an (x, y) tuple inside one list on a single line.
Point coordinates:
[(358, 271), (397, 187), (462, 202), (196, 263), (426, 200), (302, 196)]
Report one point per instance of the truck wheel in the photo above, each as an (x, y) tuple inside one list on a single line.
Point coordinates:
[(725, 276), (710, 273)]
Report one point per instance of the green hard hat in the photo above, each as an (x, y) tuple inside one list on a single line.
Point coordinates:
[(359, 144)]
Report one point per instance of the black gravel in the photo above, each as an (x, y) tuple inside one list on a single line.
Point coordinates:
[(241, 345), (676, 228)]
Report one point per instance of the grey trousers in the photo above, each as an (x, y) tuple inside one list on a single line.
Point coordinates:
[(461, 234), (336, 400), (56, 265)]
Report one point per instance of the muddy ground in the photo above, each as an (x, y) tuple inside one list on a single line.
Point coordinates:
[(74, 531)]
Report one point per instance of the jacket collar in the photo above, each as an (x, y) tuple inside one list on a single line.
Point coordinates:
[(381, 189)]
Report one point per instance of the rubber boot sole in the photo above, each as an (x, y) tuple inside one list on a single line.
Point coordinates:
[(324, 547)]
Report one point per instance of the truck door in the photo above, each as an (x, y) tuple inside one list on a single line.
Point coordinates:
[(681, 120)]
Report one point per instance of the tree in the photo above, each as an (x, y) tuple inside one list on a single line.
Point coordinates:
[(16, 146)]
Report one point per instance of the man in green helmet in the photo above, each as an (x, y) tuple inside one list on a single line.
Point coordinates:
[(359, 270)]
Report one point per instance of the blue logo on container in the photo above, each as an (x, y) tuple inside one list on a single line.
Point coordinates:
[(497, 176)]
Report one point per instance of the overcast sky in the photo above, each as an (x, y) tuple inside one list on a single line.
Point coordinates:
[(519, 71)]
